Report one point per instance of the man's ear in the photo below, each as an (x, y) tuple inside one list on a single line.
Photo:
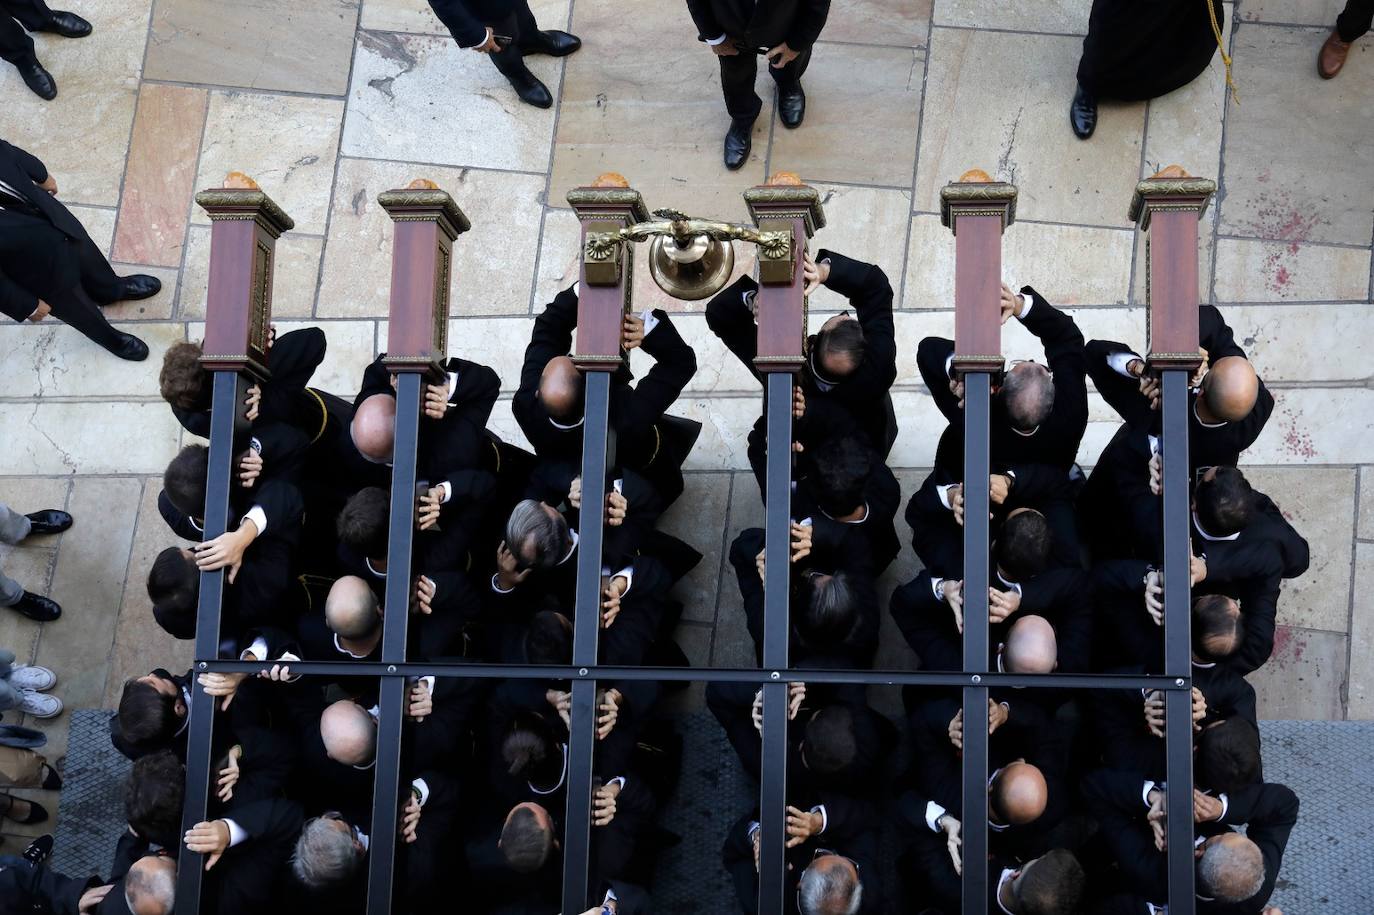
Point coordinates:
[(181, 708)]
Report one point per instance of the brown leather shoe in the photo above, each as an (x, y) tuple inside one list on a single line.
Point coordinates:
[(1331, 57)]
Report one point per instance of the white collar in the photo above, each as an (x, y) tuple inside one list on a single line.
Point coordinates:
[(1204, 666), (340, 648), (1010, 584), (565, 427), (1025, 434), (571, 549), (856, 521), (1203, 424), (561, 776), (372, 569), (1007, 874), (1206, 536)]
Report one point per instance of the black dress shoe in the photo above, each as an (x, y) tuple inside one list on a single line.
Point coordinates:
[(48, 521), (51, 780), (138, 286), (129, 347), (1083, 113), (738, 141), (37, 812), (39, 850), (37, 607), (791, 106), (39, 80), (531, 90), (552, 43), (68, 25)]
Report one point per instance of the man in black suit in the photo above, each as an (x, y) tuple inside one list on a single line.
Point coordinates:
[(506, 30), (738, 31), (17, 47), (49, 265)]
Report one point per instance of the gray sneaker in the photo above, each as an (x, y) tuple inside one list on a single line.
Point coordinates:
[(31, 677), (39, 705)]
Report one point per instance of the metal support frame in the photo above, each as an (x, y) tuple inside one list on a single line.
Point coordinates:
[(598, 455), (977, 407)]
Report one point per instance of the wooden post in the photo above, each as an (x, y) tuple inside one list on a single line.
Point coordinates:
[(606, 283), (977, 209)]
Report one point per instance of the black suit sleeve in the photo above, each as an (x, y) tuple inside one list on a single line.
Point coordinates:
[(674, 365), (928, 624), (1116, 799), (376, 380), (870, 293), (552, 336), (806, 28), (931, 355), (179, 522), (476, 392), (708, 27), (1269, 811), (1215, 336), (1122, 394), (466, 28), (1064, 353)]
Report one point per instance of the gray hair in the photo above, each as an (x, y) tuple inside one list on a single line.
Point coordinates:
[(1231, 872), (823, 890), (1029, 397), (151, 881), (547, 533), (324, 854)]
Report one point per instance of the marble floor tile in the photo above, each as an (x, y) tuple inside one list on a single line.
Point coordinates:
[(99, 223), (295, 274), (1069, 265), (999, 102), (88, 581), (157, 308), (695, 518), (1320, 504), (919, 423), (1058, 16), (1185, 125), (287, 144), (1361, 688), (58, 363), (351, 349), (160, 179), (25, 494), (83, 135), (303, 46), (1304, 678), (32, 568), (1318, 185), (1366, 511), (1301, 430), (718, 371), (492, 264), (733, 646), (882, 87), (75, 437), (1289, 271), (416, 16), (496, 342), (560, 262), (140, 644), (1267, 333), (725, 424), (1295, 12), (866, 224), (660, 124), (903, 23), (421, 98)]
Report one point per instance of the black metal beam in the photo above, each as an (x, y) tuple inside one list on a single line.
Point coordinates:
[(226, 417), (776, 592), (386, 786), (598, 455), (1176, 481), (977, 462)]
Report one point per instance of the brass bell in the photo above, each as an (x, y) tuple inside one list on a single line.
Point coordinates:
[(691, 267)]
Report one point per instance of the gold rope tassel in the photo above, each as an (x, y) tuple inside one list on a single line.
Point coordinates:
[(1221, 46)]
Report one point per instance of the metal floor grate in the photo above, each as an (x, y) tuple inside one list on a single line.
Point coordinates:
[(91, 815)]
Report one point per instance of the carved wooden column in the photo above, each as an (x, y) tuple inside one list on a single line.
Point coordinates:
[(793, 210), (245, 226), (603, 301), (1167, 208), (978, 210)]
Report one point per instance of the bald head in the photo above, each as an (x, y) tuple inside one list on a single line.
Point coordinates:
[(374, 428), (1031, 647), (560, 389), (349, 733), (830, 886), (150, 886), (351, 609), (1018, 794), (1231, 868), (1230, 387)]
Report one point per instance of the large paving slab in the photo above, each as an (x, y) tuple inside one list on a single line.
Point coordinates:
[(1300, 431), (703, 503), (902, 23), (1317, 186), (1289, 271), (1306, 676), (998, 101), (420, 98), (1293, 12), (1361, 689), (57, 363), (1058, 16), (295, 275), (93, 437), (301, 46), (417, 17), (492, 264)]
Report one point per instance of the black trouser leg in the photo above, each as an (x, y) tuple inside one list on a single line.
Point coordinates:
[(737, 75), (78, 311), (15, 44), (34, 14), (1355, 19), (511, 61), (788, 76), (526, 29), (98, 278)]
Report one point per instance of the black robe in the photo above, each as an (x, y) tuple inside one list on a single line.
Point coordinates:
[(1142, 49)]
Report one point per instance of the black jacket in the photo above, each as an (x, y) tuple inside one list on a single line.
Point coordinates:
[(38, 253), (763, 24)]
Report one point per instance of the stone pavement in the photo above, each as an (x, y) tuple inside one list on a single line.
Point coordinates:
[(328, 102)]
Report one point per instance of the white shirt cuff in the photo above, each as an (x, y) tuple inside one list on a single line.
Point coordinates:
[(933, 812), (825, 820), (452, 386), (1225, 805), (258, 517), (627, 573), (497, 588), (618, 780), (943, 492), (255, 652), (650, 320), (1118, 362), (1145, 792), (1026, 307), (715, 41), (255, 444), (478, 45), (422, 789), (237, 834), (949, 365), (445, 492), (936, 587), (753, 828)]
